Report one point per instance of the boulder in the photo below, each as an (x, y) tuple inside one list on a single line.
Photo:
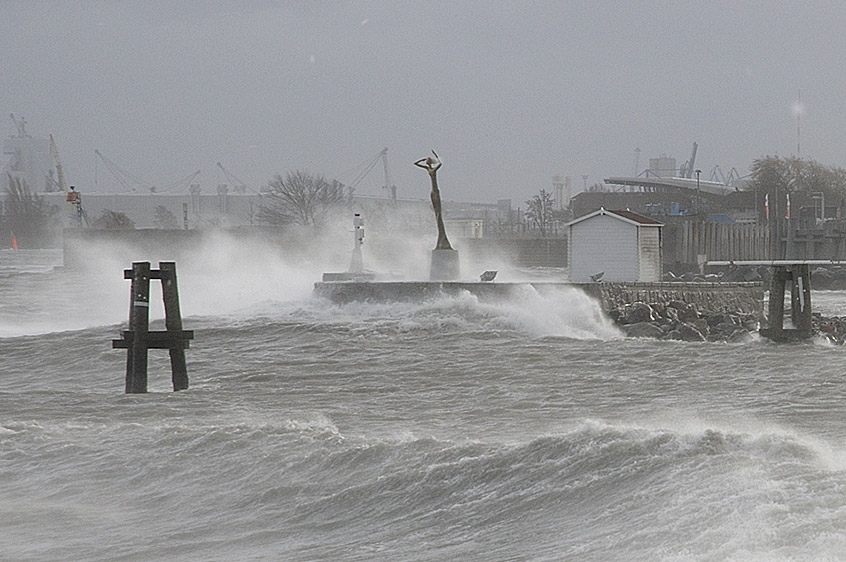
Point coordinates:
[(689, 313), (673, 335), (701, 324), (639, 312), (689, 332), (739, 336)]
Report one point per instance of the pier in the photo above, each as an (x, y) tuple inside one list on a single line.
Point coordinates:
[(745, 297)]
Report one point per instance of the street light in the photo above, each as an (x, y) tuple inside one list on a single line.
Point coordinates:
[(698, 193)]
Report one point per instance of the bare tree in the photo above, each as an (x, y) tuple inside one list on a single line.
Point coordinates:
[(113, 220), (164, 219), (539, 210), (301, 198)]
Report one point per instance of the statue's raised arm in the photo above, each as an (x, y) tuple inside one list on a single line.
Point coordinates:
[(432, 165), (429, 164)]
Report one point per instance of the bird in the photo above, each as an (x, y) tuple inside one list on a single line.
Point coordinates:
[(597, 277), (487, 276)]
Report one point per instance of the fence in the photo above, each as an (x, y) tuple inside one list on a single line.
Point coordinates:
[(717, 241)]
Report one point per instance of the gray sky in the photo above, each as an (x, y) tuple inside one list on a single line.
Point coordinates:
[(508, 93)]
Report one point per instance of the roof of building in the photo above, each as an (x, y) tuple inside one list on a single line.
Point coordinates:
[(688, 184), (626, 216)]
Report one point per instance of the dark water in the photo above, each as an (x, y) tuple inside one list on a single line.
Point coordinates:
[(442, 430)]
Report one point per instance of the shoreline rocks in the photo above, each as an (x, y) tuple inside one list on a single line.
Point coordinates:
[(678, 320), (832, 328)]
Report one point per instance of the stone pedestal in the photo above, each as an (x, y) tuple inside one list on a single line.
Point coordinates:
[(444, 266)]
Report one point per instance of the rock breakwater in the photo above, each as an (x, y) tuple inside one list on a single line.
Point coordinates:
[(678, 320)]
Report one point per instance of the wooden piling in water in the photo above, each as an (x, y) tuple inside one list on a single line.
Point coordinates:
[(139, 339), (173, 325), (799, 277)]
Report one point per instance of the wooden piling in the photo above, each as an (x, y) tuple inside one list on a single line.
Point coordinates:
[(139, 339), (139, 325), (800, 299), (799, 276), (173, 325)]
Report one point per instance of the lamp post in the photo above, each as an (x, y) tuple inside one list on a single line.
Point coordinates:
[(698, 193)]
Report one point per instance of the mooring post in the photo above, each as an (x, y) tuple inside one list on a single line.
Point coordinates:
[(139, 325), (776, 305), (800, 299), (138, 339), (173, 324), (799, 275)]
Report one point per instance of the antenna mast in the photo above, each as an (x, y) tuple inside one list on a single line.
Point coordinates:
[(798, 128)]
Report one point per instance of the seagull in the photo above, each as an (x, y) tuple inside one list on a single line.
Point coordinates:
[(487, 276), (597, 277)]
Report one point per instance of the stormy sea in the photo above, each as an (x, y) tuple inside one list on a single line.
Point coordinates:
[(449, 429)]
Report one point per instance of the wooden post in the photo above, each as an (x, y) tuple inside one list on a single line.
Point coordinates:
[(776, 306), (173, 324), (139, 339), (799, 276), (800, 301), (139, 324)]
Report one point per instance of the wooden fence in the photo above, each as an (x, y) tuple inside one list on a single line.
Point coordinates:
[(717, 241)]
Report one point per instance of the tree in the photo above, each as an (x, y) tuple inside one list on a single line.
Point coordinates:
[(29, 217), (113, 220), (540, 212), (774, 177), (163, 218), (301, 198)]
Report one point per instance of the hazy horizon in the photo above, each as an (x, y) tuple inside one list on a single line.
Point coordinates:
[(510, 94)]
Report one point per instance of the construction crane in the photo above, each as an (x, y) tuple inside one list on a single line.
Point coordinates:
[(688, 167), (71, 195), (389, 185), (131, 182), (182, 184), (63, 185), (237, 185), (127, 180), (369, 165), (20, 125), (718, 176)]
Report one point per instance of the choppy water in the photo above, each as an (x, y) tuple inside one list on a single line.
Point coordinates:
[(441, 430)]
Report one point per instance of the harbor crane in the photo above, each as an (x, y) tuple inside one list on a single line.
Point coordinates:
[(20, 125), (237, 185), (126, 179), (382, 156), (131, 182), (687, 168), (71, 195)]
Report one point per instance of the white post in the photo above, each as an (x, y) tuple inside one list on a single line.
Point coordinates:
[(357, 263)]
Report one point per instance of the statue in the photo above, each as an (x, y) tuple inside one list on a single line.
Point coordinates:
[(431, 165), (444, 265)]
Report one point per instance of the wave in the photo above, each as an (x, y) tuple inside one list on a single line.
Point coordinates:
[(568, 313), (593, 491), (597, 492)]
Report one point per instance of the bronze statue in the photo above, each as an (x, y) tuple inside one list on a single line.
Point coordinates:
[(431, 165)]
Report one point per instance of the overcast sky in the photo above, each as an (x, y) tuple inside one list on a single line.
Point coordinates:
[(508, 93)]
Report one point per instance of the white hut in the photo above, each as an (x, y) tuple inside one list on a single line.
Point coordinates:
[(614, 246)]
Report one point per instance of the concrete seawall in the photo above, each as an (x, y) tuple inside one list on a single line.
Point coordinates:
[(735, 298)]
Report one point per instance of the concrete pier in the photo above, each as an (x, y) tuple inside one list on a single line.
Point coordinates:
[(728, 297)]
